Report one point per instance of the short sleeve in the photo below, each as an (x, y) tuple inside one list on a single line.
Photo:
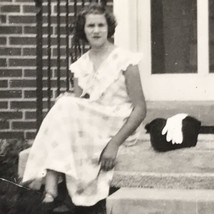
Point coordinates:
[(78, 67), (130, 58), (75, 69)]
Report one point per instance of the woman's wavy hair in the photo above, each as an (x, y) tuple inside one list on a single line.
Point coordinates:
[(93, 8)]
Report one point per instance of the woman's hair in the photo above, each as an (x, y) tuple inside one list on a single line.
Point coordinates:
[(93, 8)]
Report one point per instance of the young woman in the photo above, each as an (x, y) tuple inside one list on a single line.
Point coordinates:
[(80, 137)]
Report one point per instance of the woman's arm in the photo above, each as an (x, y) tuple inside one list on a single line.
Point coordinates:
[(77, 89), (134, 88)]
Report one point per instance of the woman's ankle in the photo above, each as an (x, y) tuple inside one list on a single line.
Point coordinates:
[(51, 186)]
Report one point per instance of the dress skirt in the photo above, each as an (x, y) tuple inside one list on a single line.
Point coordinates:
[(70, 140)]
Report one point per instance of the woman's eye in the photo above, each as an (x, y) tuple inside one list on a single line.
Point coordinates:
[(101, 25), (91, 25)]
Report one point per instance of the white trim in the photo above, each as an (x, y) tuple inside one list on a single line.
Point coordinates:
[(144, 35), (203, 36), (176, 87), (126, 31)]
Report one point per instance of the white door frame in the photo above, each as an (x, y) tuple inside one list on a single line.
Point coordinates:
[(134, 33)]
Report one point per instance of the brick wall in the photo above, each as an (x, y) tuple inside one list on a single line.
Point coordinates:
[(18, 64), (17, 68)]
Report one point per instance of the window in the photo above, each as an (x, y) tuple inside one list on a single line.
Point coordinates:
[(174, 36), (211, 35)]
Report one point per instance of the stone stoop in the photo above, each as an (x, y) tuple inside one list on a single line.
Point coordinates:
[(160, 201), (175, 182)]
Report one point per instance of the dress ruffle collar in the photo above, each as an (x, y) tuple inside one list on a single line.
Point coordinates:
[(96, 82)]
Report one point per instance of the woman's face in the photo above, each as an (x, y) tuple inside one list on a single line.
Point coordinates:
[(96, 30)]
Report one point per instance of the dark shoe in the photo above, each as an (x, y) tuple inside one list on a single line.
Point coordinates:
[(63, 209), (48, 203)]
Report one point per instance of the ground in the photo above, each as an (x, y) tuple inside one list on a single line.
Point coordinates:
[(18, 200)]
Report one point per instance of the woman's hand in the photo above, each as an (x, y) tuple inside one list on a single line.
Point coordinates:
[(108, 156)]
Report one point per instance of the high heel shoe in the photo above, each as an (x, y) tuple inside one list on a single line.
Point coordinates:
[(48, 198)]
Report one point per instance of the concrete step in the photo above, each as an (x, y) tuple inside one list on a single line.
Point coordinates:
[(141, 166), (160, 201), (175, 182), (189, 168)]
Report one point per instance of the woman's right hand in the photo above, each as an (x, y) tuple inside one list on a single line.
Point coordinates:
[(108, 156)]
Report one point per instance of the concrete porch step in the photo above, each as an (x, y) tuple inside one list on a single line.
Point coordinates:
[(160, 201), (175, 182), (141, 166), (189, 168)]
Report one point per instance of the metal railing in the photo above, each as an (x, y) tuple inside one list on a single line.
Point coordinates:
[(55, 49)]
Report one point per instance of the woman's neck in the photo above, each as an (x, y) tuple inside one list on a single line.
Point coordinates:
[(102, 50)]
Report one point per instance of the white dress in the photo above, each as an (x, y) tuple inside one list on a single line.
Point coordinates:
[(75, 131)]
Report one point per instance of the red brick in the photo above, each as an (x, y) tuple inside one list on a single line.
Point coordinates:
[(3, 19), (3, 105), (23, 125), (4, 124), (10, 29), (23, 104), (30, 72), (23, 83), (7, 72), (22, 62), (30, 30), (10, 51), (3, 40), (10, 115), (32, 93), (63, 9), (30, 135), (11, 94), (3, 63), (29, 51), (3, 83), (11, 134), (22, 19), (10, 8), (54, 83), (54, 62), (30, 115), (29, 9), (22, 40), (54, 41)]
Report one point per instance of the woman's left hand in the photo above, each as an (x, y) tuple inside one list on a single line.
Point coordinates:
[(108, 156)]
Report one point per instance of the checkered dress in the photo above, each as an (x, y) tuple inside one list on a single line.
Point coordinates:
[(75, 131)]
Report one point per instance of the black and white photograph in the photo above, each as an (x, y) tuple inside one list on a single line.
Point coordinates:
[(107, 107)]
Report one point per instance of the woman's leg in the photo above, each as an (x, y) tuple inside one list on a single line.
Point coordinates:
[(51, 186)]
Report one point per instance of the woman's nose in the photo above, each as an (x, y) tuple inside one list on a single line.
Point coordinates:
[(96, 29)]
